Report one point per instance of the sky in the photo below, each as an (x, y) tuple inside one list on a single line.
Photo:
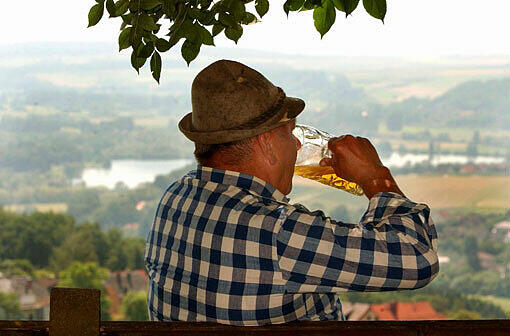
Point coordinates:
[(411, 28)]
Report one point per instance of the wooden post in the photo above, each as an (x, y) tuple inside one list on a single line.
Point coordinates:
[(75, 311)]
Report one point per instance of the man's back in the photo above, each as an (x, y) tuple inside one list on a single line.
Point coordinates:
[(227, 247), (212, 254)]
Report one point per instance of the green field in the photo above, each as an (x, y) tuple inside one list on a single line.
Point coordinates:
[(504, 303)]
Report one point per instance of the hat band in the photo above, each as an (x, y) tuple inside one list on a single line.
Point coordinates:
[(264, 116)]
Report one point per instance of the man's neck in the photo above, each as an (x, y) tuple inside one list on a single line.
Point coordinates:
[(253, 168)]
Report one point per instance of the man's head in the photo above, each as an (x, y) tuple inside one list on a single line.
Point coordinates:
[(241, 121), (270, 156)]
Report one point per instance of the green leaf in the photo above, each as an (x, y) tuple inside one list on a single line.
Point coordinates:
[(346, 6), (121, 7), (175, 36), (189, 51), (95, 14), (217, 28), (149, 4), (162, 45), (145, 51), (134, 6), (207, 38), (135, 38), (310, 4), (128, 18), (156, 66), (207, 19), (261, 6), (195, 13), (249, 18), (137, 62), (227, 19), (169, 9), (191, 32), (204, 4), (294, 5), (234, 33), (324, 17), (376, 8), (146, 22), (124, 38), (110, 7), (286, 8), (238, 9)]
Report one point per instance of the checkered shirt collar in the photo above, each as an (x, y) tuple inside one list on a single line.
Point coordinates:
[(252, 184)]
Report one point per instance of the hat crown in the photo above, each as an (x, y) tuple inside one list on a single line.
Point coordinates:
[(227, 94)]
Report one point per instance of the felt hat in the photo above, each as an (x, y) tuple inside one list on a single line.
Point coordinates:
[(231, 102)]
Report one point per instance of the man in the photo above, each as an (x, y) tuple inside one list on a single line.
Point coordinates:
[(227, 246)]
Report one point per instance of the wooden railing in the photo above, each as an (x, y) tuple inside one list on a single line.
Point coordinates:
[(77, 312)]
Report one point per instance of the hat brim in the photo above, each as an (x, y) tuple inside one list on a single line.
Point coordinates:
[(290, 109)]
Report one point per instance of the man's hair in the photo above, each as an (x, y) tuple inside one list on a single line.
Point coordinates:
[(232, 153)]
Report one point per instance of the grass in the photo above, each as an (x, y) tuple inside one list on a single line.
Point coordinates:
[(502, 302)]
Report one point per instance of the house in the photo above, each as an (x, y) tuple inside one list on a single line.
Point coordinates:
[(488, 261), (502, 230), (358, 312), (140, 205), (122, 282), (443, 259), (405, 311), (131, 229), (34, 295)]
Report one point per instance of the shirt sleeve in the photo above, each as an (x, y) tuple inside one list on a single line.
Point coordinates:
[(393, 247)]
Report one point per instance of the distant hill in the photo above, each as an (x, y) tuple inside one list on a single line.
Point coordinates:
[(474, 104), (73, 77)]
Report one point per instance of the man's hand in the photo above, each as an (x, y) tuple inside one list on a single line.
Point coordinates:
[(355, 159)]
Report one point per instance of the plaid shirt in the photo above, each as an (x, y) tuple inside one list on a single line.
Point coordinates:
[(227, 247)]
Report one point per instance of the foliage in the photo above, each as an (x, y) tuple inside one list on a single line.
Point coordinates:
[(471, 252), (198, 22), (134, 306), (13, 267), (43, 274), (9, 306), (464, 314), (50, 239), (32, 237), (87, 243), (43, 150), (87, 275), (83, 275)]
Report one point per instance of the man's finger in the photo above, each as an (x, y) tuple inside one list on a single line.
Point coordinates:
[(334, 140), (325, 162)]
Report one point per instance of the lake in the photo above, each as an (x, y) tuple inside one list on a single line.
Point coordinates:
[(130, 172), (400, 160), (134, 172)]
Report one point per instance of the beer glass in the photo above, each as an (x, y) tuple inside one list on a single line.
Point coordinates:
[(314, 147)]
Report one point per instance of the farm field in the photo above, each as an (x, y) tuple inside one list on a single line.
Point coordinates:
[(424, 78), (439, 192)]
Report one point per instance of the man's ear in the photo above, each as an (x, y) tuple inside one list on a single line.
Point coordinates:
[(265, 141)]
